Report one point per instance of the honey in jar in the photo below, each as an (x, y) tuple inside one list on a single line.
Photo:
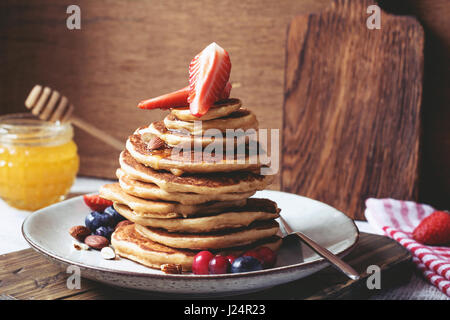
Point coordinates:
[(38, 161)]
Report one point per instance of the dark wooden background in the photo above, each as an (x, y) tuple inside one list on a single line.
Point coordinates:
[(127, 51), (352, 115)]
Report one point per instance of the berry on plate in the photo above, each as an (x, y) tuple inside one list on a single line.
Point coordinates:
[(219, 264), (264, 254), (96, 219), (267, 256), (104, 231), (231, 258), (200, 265), (434, 229), (209, 73), (96, 203), (114, 215), (245, 264)]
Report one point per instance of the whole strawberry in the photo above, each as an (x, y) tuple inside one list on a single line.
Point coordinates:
[(434, 229)]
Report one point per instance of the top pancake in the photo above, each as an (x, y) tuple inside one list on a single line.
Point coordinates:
[(240, 119), (220, 109)]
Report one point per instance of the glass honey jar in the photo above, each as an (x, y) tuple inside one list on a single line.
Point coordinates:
[(38, 161)]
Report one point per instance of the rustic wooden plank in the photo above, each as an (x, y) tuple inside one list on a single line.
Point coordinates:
[(128, 52), (28, 275), (352, 107)]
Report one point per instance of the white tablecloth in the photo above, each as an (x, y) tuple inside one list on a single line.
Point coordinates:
[(11, 240)]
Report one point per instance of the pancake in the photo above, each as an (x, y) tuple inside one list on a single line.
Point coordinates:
[(218, 240), (182, 161), (153, 192), (174, 137), (218, 183), (255, 210), (164, 209), (240, 119), (129, 244), (220, 109)]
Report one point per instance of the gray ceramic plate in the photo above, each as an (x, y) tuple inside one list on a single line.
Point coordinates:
[(46, 231)]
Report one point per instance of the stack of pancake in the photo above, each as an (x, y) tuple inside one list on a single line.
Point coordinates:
[(181, 204)]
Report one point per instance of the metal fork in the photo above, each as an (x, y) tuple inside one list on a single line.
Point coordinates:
[(332, 258)]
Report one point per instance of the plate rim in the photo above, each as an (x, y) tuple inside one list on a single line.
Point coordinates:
[(281, 269)]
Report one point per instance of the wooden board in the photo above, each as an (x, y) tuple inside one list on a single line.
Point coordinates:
[(126, 52), (28, 275), (351, 122)]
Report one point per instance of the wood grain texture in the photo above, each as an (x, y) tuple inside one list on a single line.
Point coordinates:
[(351, 127), (127, 51), (28, 275)]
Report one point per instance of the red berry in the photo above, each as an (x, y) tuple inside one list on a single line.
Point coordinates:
[(219, 264), (252, 253), (434, 229), (209, 72), (267, 256), (200, 265), (231, 258), (96, 203)]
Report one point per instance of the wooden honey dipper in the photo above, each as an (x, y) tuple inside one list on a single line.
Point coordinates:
[(50, 105)]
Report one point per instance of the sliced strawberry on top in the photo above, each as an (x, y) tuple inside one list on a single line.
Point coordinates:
[(209, 73), (226, 91), (96, 203), (174, 99), (177, 98)]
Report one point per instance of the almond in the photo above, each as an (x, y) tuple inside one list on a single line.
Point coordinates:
[(79, 232), (155, 143), (123, 224), (172, 268), (108, 253), (96, 242)]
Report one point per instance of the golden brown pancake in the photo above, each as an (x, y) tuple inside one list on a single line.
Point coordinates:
[(174, 137), (151, 191), (179, 160), (255, 210), (131, 245), (165, 209), (220, 109), (231, 182), (217, 240), (240, 119)]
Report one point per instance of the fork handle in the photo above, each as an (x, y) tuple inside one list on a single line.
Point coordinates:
[(332, 258)]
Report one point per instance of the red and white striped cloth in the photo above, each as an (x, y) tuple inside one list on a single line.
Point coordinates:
[(397, 219)]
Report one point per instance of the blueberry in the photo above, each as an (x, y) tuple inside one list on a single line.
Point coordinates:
[(245, 264), (115, 216), (97, 219), (104, 231)]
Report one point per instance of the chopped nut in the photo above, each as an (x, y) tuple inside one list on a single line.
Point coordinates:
[(171, 268), (79, 232), (155, 143), (79, 245), (96, 242), (108, 253)]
